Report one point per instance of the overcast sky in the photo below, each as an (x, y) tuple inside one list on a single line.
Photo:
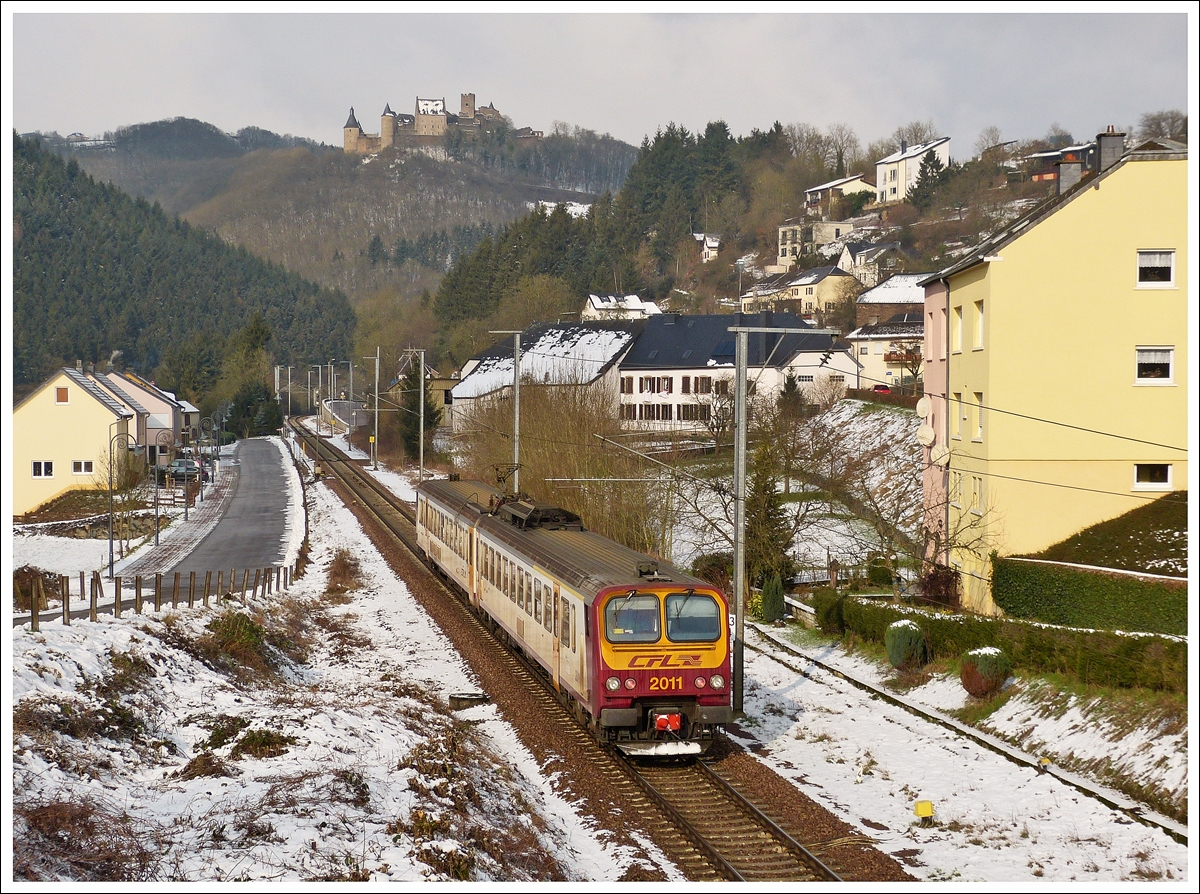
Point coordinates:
[(625, 74)]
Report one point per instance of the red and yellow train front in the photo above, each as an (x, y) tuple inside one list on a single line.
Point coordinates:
[(663, 666)]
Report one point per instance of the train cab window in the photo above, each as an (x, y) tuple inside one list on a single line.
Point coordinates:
[(632, 619), (693, 618)]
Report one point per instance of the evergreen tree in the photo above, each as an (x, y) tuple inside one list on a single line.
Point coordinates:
[(410, 414), (768, 534), (930, 176), (773, 606)]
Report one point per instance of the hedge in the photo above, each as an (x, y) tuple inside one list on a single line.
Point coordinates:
[(1095, 657), (1077, 598)]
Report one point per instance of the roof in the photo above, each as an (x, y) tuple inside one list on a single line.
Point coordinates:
[(150, 387), (189, 407), (387, 109), (352, 121), (687, 341), (781, 281), (1147, 151), (431, 106), (902, 288), (833, 184), (913, 151), (865, 252), (901, 325), (551, 353), (614, 303), (107, 382)]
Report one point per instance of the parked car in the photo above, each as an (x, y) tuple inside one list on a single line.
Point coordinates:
[(181, 469), (882, 389)]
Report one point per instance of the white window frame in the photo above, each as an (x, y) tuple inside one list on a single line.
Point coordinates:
[(958, 329), (1149, 382), (960, 416), (978, 326), (978, 439), (1154, 485), (82, 467), (1170, 284), (38, 468)]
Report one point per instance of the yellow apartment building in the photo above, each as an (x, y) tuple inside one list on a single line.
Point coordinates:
[(1056, 365)]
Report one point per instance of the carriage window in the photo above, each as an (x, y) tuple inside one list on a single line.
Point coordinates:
[(693, 618), (551, 610), (632, 619), (572, 628), (537, 606), (564, 632)]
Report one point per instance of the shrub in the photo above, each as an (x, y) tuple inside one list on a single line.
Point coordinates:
[(984, 671), (939, 585), (878, 573), (261, 743), (773, 606), (907, 647), (829, 608)]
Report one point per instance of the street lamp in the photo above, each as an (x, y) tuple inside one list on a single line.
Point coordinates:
[(133, 446), (166, 438), (207, 425)]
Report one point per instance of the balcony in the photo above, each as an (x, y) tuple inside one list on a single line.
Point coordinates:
[(902, 357)]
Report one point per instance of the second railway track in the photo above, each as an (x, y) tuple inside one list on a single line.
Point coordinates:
[(708, 829)]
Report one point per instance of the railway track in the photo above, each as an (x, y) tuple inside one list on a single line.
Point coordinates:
[(705, 826)]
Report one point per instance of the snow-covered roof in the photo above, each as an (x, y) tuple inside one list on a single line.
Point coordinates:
[(902, 326), (913, 151), (626, 303), (558, 354), (903, 288), (833, 184), (189, 407), (431, 106)]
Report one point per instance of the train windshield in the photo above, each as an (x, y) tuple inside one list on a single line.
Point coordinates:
[(633, 619), (693, 618)]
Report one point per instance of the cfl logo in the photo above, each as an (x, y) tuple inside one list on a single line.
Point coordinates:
[(652, 661)]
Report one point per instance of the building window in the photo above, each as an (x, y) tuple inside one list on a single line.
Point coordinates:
[(977, 494), (979, 416), (43, 469), (863, 351), (60, 396), (959, 414), (978, 325), (837, 378), (81, 467), (629, 411), (1152, 476), (627, 384), (1156, 269), (1155, 366), (804, 379), (685, 385), (958, 329)]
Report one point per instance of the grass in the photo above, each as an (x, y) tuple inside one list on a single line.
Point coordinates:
[(1151, 539), (81, 840), (261, 743), (345, 575)]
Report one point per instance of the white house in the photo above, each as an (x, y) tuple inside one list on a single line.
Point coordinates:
[(889, 353), (617, 307), (896, 174)]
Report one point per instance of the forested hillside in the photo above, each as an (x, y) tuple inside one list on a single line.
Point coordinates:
[(317, 211), (96, 272)]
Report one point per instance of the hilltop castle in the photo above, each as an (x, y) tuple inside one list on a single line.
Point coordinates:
[(429, 120)]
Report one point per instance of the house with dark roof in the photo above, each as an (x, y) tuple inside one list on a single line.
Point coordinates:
[(679, 373), (576, 355), (890, 353), (867, 261), (814, 291), (62, 433), (901, 293)]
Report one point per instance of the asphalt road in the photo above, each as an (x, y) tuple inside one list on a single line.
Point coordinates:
[(250, 533)]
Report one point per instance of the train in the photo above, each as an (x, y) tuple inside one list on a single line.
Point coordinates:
[(639, 650)]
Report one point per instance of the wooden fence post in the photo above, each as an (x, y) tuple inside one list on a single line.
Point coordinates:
[(96, 590), (245, 580), (157, 591), (175, 591), (220, 588), (81, 586), (278, 579), (117, 597), (207, 581), (35, 621), (254, 589), (66, 594), (137, 594), (191, 589)]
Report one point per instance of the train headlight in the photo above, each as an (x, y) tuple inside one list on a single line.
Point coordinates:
[(631, 683), (717, 681), (612, 684), (700, 683)]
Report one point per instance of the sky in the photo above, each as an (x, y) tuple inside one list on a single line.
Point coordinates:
[(627, 73)]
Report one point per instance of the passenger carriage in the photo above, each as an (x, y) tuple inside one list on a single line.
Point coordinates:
[(638, 648)]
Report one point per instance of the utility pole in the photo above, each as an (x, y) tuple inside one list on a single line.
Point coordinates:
[(421, 449), (375, 439), (516, 439), (739, 487), (290, 368), (332, 395)]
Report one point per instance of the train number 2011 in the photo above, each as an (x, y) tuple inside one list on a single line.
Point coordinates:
[(665, 684)]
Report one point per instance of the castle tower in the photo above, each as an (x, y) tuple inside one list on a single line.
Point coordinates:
[(467, 106), (387, 127), (350, 133)]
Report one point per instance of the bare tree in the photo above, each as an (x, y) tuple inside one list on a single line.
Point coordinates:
[(916, 132), (843, 147), (1170, 124), (989, 138), (128, 474), (807, 142)]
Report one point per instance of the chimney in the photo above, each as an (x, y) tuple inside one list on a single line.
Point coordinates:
[(1110, 147), (904, 145), (1070, 171), (79, 366)]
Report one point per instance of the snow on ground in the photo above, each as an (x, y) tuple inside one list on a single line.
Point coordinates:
[(59, 555), (358, 791), (870, 761), (293, 535)]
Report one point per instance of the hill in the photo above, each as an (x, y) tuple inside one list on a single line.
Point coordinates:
[(96, 271), (317, 211)]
